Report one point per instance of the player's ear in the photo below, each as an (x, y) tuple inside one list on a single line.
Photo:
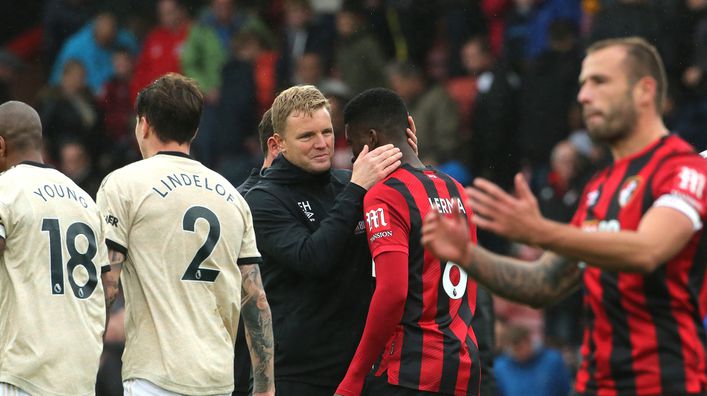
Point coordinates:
[(144, 127), (373, 138), (3, 154), (279, 140), (647, 89), (273, 146)]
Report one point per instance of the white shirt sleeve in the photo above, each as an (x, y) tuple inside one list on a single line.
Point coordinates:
[(680, 204)]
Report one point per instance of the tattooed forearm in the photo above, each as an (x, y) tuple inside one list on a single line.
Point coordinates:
[(538, 283), (257, 319), (111, 279)]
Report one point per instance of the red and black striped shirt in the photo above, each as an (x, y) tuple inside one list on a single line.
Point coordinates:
[(644, 332), (433, 348)]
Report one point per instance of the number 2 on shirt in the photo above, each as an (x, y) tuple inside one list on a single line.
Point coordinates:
[(194, 272)]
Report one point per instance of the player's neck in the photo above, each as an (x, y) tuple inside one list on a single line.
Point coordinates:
[(31, 155), (267, 161), (159, 146), (409, 156), (646, 131)]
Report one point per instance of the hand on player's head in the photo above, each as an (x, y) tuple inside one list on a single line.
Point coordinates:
[(412, 135), (373, 166)]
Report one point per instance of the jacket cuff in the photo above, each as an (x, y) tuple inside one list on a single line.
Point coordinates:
[(355, 191)]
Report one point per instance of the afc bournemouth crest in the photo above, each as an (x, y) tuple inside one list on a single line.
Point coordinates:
[(629, 189)]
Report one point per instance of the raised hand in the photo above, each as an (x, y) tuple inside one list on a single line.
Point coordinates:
[(372, 166), (447, 237), (515, 217)]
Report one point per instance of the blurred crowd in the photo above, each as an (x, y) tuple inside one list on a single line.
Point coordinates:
[(491, 85)]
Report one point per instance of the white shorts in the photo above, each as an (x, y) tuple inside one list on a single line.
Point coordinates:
[(141, 387), (11, 390)]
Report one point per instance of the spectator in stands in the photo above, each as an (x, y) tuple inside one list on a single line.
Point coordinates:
[(116, 101), (527, 27), (434, 112), (549, 89), (161, 49), (60, 20), (238, 107), (493, 153), (558, 200), (75, 162), (68, 109), (302, 34), (496, 12), (93, 46), (255, 47), (205, 52), (359, 58), (526, 368)]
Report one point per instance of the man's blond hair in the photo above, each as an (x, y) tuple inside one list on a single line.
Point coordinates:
[(296, 100)]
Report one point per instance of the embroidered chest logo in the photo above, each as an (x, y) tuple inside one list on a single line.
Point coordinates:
[(360, 228), (307, 209), (628, 190)]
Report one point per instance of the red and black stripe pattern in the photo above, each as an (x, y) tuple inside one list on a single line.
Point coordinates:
[(434, 347), (643, 333)]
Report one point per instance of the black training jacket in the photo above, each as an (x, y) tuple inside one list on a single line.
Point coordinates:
[(316, 269)]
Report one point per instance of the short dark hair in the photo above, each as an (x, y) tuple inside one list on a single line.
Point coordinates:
[(380, 109), (172, 106), (642, 60), (265, 131)]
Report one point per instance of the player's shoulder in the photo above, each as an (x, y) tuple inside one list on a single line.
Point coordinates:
[(449, 180), (681, 154)]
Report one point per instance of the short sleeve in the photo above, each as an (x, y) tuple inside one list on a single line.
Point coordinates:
[(4, 217), (7, 197), (113, 210), (387, 228), (249, 251), (102, 250), (680, 185)]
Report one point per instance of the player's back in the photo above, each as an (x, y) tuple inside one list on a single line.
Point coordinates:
[(434, 347), (181, 226), (52, 307)]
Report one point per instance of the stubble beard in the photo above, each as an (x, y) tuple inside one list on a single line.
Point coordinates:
[(618, 124)]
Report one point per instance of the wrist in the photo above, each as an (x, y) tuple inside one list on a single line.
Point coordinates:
[(360, 183), (468, 256), (543, 234)]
